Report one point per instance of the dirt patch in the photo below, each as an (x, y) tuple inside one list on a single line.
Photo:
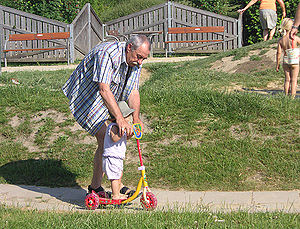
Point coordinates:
[(254, 62)]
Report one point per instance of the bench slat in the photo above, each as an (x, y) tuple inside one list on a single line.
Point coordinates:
[(37, 49), (39, 36), (209, 29), (193, 41)]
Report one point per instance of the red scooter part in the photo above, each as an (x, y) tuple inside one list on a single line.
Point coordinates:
[(150, 203), (92, 201)]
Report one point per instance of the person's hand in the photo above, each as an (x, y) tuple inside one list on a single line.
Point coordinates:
[(277, 68), (240, 11), (293, 33), (140, 122), (124, 127)]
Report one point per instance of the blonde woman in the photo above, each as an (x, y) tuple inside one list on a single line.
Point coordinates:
[(290, 70)]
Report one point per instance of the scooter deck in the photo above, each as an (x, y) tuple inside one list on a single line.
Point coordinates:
[(104, 201)]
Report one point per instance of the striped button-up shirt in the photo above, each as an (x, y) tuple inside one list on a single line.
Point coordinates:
[(106, 63)]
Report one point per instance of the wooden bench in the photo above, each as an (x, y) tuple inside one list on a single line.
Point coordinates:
[(186, 30), (36, 37)]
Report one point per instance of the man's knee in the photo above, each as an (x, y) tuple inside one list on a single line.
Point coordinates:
[(101, 134)]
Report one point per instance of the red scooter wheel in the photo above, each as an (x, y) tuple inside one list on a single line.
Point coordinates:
[(150, 203), (92, 201)]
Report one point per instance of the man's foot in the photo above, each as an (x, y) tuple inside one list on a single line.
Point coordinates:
[(100, 191)]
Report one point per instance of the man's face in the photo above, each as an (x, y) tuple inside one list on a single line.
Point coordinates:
[(136, 57)]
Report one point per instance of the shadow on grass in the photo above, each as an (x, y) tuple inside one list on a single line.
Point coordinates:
[(44, 176), (268, 92)]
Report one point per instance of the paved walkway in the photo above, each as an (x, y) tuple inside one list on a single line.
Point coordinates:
[(73, 66), (72, 199)]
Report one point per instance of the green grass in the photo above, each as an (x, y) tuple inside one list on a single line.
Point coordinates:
[(202, 135), (15, 218)]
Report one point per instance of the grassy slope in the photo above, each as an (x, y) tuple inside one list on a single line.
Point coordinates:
[(202, 138)]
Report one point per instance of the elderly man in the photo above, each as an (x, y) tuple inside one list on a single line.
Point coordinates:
[(267, 15), (108, 74)]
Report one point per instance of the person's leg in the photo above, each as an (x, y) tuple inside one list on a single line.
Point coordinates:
[(115, 188), (97, 170), (294, 77), (286, 86), (265, 34), (272, 32)]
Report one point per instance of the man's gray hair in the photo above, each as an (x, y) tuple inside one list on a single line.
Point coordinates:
[(137, 41)]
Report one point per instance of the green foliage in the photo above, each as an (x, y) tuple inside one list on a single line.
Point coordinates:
[(224, 7), (61, 10)]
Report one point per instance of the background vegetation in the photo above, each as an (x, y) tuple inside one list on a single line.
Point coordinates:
[(66, 10)]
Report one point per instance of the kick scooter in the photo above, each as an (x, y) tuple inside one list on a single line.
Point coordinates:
[(148, 199)]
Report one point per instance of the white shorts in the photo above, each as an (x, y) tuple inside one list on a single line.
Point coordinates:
[(112, 167)]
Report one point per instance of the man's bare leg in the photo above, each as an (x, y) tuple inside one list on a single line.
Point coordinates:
[(97, 171), (265, 34), (272, 32)]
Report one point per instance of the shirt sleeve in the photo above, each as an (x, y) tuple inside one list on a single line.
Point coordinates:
[(103, 68)]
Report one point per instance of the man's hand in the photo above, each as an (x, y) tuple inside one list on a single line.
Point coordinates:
[(124, 127)]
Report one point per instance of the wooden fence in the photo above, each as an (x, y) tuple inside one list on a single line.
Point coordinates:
[(87, 30), (14, 21), (171, 14)]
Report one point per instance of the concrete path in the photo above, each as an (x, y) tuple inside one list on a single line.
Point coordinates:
[(72, 199)]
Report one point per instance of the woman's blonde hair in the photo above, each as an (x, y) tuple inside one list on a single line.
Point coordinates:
[(286, 25)]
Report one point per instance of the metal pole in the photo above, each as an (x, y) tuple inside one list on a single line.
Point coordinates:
[(240, 30), (89, 27), (169, 24), (103, 32), (1, 38)]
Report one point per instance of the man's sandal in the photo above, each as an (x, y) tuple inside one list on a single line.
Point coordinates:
[(127, 191), (100, 191)]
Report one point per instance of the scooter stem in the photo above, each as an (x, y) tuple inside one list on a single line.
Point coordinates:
[(140, 153)]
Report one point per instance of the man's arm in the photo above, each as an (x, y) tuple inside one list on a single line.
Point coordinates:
[(112, 106), (281, 3), (294, 30), (134, 103), (252, 2)]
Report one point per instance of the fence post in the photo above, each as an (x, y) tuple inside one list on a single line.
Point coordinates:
[(71, 43), (240, 30), (169, 22), (103, 32), (1, 38)]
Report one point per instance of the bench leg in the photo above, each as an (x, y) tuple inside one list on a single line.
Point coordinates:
[(166, 50)]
